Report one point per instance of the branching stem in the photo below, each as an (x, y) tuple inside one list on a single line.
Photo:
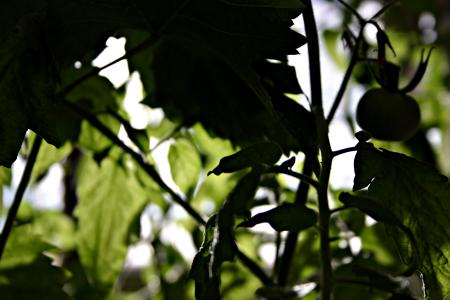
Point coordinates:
[(326, 274), (300, 176), (151, 171)]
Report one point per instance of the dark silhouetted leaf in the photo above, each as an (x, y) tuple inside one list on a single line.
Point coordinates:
[(25, 273), (417, 195), (207, 283), (27, 88), (287, 216), (203, 67), (262, 153), (241, 197), (280, 75)]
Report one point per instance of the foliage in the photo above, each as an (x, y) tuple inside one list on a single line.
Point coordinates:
[(234, 129)]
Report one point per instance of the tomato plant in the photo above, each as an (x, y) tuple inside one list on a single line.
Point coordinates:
[(175, 208)]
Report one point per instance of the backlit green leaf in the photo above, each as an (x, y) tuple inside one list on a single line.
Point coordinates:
[(185, 164), (110, 199), (419, 197)]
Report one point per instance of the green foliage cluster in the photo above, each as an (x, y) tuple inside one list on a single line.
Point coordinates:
[(235, 131)]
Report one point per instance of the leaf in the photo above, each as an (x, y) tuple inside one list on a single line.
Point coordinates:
[(203, 67), (262, 153), (47, 157), (185, 164), (370, 208), (382, 214), (96, 95), (418, 195), (287, 216), (242, 196), (25, 272), (27, 88), (207, 284), (279, 75), (92, 139), (420, 72), (110, 199), (138, 136)]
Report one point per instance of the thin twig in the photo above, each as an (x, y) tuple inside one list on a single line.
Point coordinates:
[(384, 9), (340, 208), (254, 267), (141, 160), (353, 11), (345, 150), (353, 61), (291, 240), (19, 193), (300, 176), (150, 170)]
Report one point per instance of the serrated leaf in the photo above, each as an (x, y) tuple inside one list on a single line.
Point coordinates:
[(380, 213), (418, 195), (203, 70), (25, 272), (262, 153), (185, 164), (110, 199), (27, 92), (48, 156), (287, 216), (370, 208)]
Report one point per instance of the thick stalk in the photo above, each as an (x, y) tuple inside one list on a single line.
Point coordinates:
[(325, 150), (19, 193)]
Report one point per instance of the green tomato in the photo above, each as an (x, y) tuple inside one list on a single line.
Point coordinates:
[(387, 115)]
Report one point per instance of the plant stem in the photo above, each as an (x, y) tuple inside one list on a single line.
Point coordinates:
[(291, 240), (345, 150), (151, 171), (254, 268), (325, 150), (301, 176), (144, 45), (353, 61), (19, 193)]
